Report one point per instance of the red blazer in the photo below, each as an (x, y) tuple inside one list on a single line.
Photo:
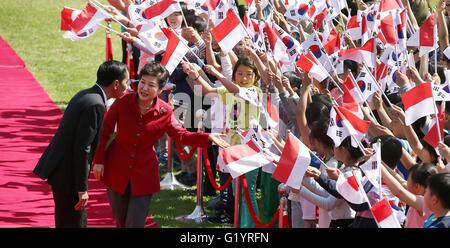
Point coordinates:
[(131, 156)]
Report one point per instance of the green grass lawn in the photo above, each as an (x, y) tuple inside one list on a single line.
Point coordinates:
[(64, 67)]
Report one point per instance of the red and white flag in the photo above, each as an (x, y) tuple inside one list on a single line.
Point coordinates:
[(175, 50), (333, 43), (314, 45), (432, 137), (229, 32), (294, 161), (362, 55), (240, 159), (365, 33), (68, 15), (279, 50), (388, 30), (386, 7), (350, 189), (418, 102), (161, 9), (425, 38), (312, 68), (344, 123), (351, 88), (85, 23), (383, 214), (354, 28)]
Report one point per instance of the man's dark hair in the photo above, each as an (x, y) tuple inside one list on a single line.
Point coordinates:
[(439, 185), (110, 71), (155, 69), (420, 173)]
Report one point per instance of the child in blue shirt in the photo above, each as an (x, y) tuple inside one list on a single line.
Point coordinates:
[(437, 199)]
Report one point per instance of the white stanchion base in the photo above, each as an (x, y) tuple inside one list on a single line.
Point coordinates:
[(170, 182), (198, 215)]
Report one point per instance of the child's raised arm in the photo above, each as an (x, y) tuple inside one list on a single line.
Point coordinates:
[(230, 86)]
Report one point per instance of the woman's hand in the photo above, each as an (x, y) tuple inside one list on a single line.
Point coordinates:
[(312, 172), (399, 113), (218, 138), (98, 170), (333, 173), (211, 70), (127, 37), (190, 70)]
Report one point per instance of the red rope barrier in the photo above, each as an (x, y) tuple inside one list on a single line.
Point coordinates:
[(181, 153), (252, 211), (210, 174)]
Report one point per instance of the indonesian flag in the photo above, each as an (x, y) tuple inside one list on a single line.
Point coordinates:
[(366, 84), (68, 15), (350, 189), (153, 37), (432, 137), (240, 159), (271, 113), (363, 55), (381, 74), (294, 160), (354, 28), (425, 37), (85, 23), (386, 6), (401, 31), (372, 167), (388, 29), (333, 43), (349, 100), (383, 214), (344, 123), (312, 68), (175, 50), (418, 102), (365, 34), (277, 46), (351, 90), (229, 32), (314, 45), (161, 9)]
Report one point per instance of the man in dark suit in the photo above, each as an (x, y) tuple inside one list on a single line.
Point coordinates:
[(65, 163)]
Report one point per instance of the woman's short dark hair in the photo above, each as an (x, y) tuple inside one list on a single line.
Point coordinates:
[(246, 62), (439, 185), (420, 173), (317, 111), (110, 71), (155, 69), (319, 133), (355, 153)]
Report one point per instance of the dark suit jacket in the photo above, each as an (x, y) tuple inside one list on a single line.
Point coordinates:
[(66, 161)]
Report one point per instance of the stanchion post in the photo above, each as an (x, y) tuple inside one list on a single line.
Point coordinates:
[(170, 181), (237, 185)]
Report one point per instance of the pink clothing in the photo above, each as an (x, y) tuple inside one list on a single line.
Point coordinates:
[(414, 219)]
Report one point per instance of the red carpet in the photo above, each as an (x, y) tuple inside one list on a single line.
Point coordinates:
[(28, 120)]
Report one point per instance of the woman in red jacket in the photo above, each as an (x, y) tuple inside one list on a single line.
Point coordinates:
[(129, 166)]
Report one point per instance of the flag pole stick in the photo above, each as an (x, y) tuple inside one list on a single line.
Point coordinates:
[(110, 29), (182, 14), (435, 47), (378, 154), (437, 117), (102, 7), (378, 85)]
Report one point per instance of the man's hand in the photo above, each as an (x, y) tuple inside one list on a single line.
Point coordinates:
[(83, 200), (98, 170)]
